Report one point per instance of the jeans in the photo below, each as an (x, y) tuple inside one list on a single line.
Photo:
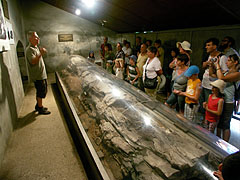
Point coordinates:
[(174, 98)]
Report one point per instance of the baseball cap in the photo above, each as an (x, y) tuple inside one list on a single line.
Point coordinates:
[(191, 70)]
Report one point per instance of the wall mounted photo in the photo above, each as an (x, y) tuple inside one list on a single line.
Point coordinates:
[(4, 43), (10, 33), (65, 37), (5, 9)]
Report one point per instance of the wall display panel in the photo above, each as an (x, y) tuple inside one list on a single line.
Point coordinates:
[(10, 33), (4, 43)]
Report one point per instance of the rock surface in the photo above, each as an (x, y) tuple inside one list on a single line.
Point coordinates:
[(135, 143)]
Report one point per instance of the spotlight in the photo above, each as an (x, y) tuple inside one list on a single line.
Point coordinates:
[(89, 3), (78, 12)]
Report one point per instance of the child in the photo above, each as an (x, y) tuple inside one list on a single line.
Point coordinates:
[(229, 168), (192, 93), (214, 106), (133, 71), (119, 68), (91, 57)]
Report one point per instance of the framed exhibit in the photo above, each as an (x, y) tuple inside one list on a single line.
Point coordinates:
[(4, 42), (10, 33), (5, 9), (65, 37)]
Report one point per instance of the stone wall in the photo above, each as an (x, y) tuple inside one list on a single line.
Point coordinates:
[(49, 21), (196, 37), (12, 94)]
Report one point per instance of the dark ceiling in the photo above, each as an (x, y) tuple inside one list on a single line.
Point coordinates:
[(155, 15)]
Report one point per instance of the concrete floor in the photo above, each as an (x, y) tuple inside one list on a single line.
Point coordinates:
[(41, 147)]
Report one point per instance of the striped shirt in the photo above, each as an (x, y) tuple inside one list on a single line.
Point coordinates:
[(133, 73)]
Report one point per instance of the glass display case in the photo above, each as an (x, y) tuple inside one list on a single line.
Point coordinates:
[(131, 136)]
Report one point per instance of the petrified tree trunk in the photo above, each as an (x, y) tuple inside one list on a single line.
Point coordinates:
[(132, 140)]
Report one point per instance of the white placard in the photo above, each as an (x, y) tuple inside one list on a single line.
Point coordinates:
[(10, 33), (4, 43)]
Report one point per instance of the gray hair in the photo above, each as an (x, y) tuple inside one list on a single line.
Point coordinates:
[(30, 33)]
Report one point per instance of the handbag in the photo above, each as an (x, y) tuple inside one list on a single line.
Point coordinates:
[(150, 83)]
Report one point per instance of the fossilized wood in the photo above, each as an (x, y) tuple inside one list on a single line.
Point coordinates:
[(132, 140)]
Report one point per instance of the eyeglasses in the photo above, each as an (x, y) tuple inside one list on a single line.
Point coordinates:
[(224, 40)]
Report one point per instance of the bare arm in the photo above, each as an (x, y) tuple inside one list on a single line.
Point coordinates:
[(37, 58), (137, 76), (231, 77), (205, 64), (212, 71), (127, 71), (172, 64), (197, 94), (159, 73), (219, 110)]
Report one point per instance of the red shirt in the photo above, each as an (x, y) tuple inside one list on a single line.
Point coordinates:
[(212, 105)]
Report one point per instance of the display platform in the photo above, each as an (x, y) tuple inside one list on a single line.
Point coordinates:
[(128, 135)]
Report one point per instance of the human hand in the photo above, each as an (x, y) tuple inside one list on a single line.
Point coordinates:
[(218, 174), (181, 93), (42, 50), (176, 91), (204, 105)]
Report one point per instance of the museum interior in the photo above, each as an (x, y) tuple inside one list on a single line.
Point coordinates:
[(118, 90)]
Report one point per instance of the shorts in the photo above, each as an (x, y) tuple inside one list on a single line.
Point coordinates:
[(225, 119), (41, 87), (190, 111), (211, 126), (174, 98)]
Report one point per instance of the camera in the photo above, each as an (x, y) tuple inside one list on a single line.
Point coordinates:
[(214, 59)]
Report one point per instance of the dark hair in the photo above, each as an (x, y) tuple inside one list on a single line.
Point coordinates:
[(183, 58), (214, 41), (231, 166), (176, 50), (109, 46), (158, 41), (120, 44), (128, 43), (150, 41), (234, 57), (152, 49), (220, 95), (139, 37), (90, 53), (231, 40)]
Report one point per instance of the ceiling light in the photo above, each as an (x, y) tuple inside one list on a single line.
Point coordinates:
[(89, 3), (78, 12)]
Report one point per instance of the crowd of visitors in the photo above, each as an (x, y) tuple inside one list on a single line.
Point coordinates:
[(209, 101)]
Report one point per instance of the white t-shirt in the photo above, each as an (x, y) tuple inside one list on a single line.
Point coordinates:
[(119, 73), (128, 52), (152, 67), (207, 79)]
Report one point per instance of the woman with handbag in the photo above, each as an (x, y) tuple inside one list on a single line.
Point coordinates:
[(151, 70)]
